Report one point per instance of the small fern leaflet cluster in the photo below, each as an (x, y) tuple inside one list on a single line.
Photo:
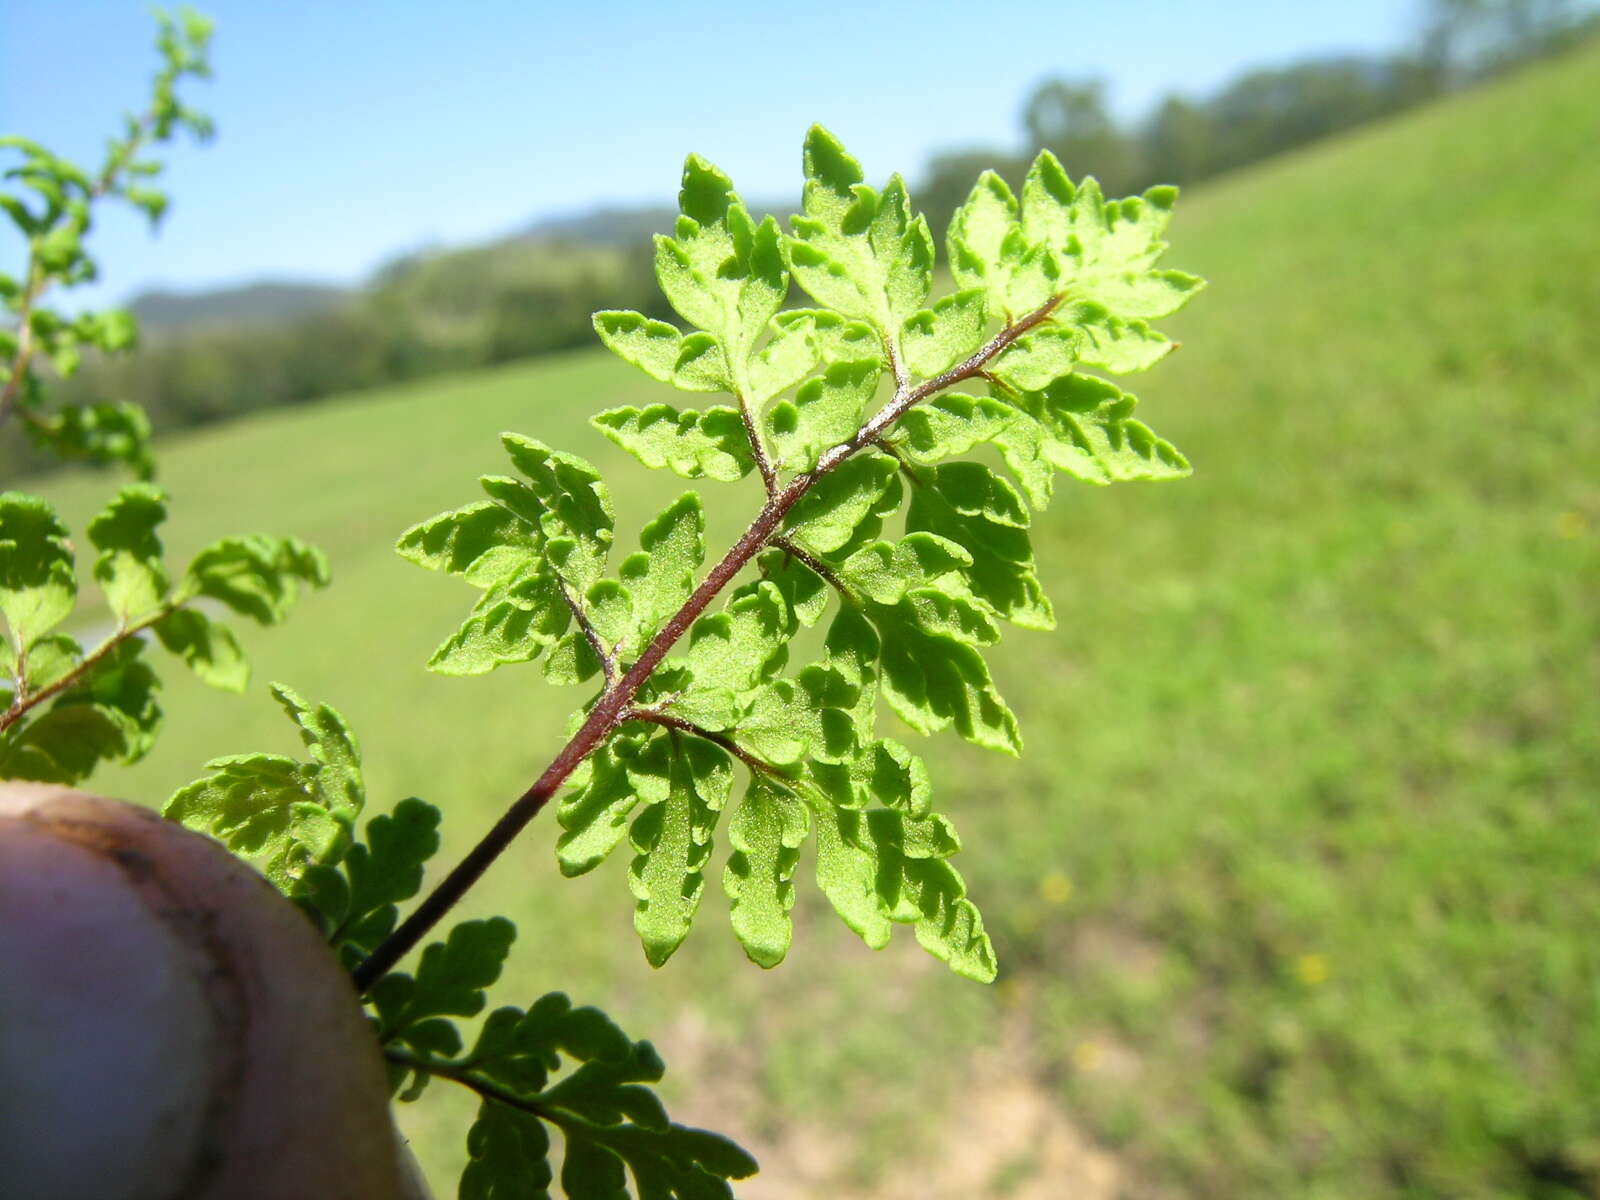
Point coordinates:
[(548, 1067), (64, 709), (884, 524), (50, 201)]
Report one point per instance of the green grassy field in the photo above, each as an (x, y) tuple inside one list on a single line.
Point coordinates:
[(1297, 889)]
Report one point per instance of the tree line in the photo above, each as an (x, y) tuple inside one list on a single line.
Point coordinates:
[(1185, 140), (421, 315)]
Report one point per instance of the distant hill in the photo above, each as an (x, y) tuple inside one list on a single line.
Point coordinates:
[(266, 302), (613, 226), (270, 302), (249, 304), (624, 226)]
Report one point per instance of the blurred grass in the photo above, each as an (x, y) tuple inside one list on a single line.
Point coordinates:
[(1297, 888)]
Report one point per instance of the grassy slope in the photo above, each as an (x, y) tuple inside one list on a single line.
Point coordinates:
[(1298, 885)]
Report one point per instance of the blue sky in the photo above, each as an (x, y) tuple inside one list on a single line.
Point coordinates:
[(350, 131)]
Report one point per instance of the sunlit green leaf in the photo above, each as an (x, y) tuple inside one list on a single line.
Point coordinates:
[(129, 568), (732, 649), (970, 505), (37, 582), (111, 715), (854, 249), (691, 364), (593, 815), (695, 445), (256, 576), (939, 337), (722, 271), (825, 411), (949, 425), (766, 831), (830, 515), (208, 647), (672, 838), (284, 816), (1086, 428), (662, 574)]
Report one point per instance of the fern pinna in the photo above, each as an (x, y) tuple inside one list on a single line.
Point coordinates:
[(876, 524), (876, 530)]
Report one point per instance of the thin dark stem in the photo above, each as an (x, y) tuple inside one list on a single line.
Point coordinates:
[(998, 384), (973, 365), (471, 868), (657, 717), (25, 700), (564, 1118), (123, 156), (23, 357), (607, 657), (758, 447), (37, 279), (902, 380), (467, 1080), (801, 555), (907, 467), (616, 701)]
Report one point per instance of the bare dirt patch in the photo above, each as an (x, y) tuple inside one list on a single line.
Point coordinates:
[(1002, 1135)]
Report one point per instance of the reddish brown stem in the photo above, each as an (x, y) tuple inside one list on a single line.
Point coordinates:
[(614, 704), (817, 567), (26, 700), (668, 721), (22, 359), (606, 655), (467, 1079), (758, 448)]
